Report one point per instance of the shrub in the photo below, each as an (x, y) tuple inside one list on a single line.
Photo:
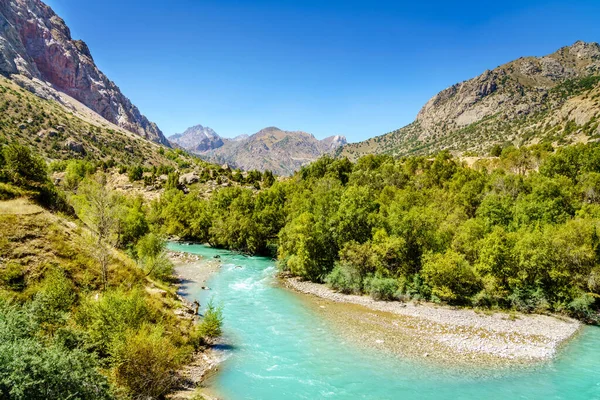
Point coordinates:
[(146, 363), (380, 288), (33, 370), (135, 173), (344, 279), (76, 171), (581, 308), (22, 167), (12, 276), (211, 325), (54, 300), (8, 191), (108, 319)]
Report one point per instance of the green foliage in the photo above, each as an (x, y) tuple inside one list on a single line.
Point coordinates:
[(31, 369), (108, 319), (135, 173), (22, 167), (76, 171), (146, 362), (450, 276), (211, 325), (345, 278), (380, 288), (519, 232)]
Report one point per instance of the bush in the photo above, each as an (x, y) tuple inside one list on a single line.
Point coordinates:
[(581, 308), (8, 191), (108, 319), (22, 167), (381, 288), (34, 370), (344, 279), (211, 325), (146, 363), (135, 173), (76, 171), (12, 277), (54, 300)]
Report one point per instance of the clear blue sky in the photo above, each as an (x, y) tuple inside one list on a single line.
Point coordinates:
[(356, 68)]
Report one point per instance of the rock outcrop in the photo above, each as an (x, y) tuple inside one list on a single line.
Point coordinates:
[(37, 51), (512, 103)]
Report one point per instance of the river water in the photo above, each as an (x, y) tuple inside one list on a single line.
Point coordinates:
[(282, 349)]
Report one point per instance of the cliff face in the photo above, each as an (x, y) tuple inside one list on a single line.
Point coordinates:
[(526, 100), (36, 47)]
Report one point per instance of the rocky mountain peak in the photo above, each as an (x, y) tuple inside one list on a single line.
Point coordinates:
[(38, 52), (198, 138)]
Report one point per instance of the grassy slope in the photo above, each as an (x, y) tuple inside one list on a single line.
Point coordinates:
[(47, 126)]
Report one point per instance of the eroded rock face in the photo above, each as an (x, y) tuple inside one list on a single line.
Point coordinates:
[(36, 45), (513, 89), (521, 102)]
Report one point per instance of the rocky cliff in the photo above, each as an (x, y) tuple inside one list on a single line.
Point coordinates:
[(281, 152), (524, 101), (37, 52)]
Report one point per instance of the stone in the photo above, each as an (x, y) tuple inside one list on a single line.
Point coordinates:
[(189, 178), (75, 146)]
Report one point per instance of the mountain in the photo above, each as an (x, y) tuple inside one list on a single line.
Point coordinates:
[(37, 52), (554, 98), (273, 149), (198, 138)]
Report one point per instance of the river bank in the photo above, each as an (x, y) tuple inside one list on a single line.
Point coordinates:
[(439, 333), (195, 271)]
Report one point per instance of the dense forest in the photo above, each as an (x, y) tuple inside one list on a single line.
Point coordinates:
[(518, 231)]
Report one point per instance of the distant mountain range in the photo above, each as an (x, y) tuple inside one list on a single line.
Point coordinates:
[(282, 152), (555, 98)]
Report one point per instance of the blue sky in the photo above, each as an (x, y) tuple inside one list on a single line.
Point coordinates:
[(356, 68)]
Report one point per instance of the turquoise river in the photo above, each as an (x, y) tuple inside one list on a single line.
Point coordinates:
[(281, 349)]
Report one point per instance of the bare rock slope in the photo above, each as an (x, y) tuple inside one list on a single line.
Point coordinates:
[(554, 98), (38, 52)]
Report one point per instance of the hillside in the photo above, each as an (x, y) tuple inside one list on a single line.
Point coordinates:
[(58, 133), (38, 52), (555, 98), (282, 152)]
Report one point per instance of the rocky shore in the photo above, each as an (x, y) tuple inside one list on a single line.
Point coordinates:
[(193, 272), (438, 332)]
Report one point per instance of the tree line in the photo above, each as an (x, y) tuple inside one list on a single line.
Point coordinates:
[(518, 231)]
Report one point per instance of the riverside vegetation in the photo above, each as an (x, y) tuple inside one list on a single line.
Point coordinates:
[(87, 305), (518, 231)]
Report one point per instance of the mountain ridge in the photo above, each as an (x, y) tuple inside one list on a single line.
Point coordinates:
[(38, 52), (524, 101), (271, 148)]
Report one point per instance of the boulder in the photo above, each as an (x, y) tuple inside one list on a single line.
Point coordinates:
[(75, 146), (189, 178)]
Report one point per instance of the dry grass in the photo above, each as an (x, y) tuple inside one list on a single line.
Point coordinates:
[(19, 207)]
